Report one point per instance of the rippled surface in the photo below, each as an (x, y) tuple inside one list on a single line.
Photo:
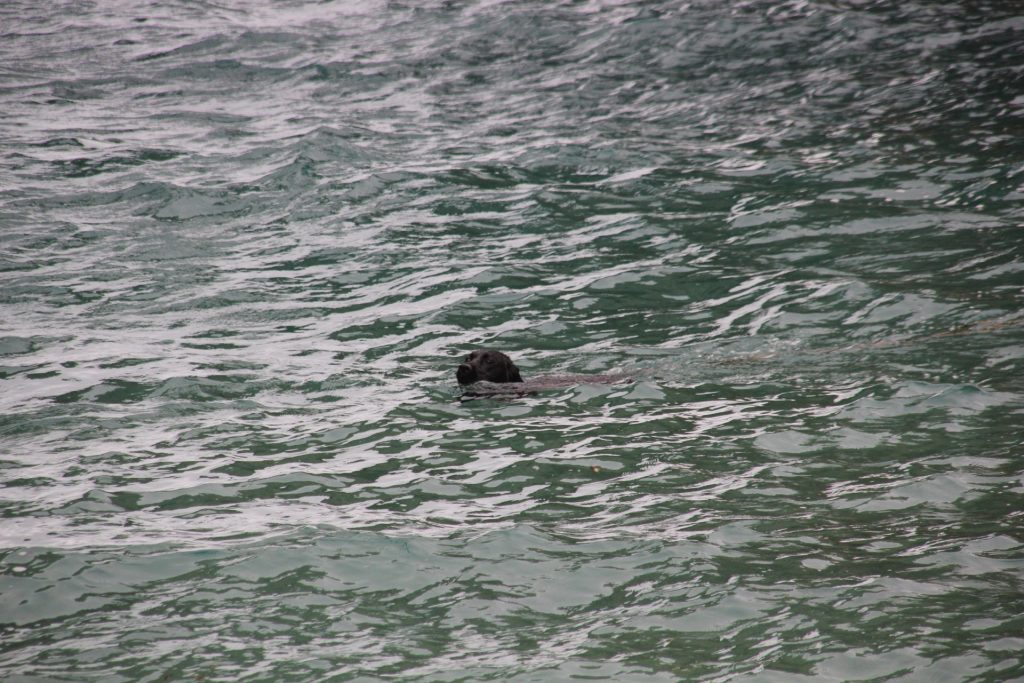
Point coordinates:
[(244, 245)]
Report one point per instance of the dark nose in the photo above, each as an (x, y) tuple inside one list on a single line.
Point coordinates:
[(465, 374)]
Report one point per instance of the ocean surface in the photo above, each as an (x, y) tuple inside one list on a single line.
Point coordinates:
[(243, 246)]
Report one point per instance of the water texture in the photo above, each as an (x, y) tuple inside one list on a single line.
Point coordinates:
[(243, 246)]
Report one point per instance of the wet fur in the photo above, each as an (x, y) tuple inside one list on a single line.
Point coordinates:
[(487, 365), (494, 367)]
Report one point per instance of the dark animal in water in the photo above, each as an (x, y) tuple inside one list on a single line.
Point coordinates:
[(489, 365)]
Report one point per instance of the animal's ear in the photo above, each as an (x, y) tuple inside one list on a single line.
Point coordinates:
[(512, 372)]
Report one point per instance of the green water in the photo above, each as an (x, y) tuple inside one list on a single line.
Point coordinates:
[(244, 246)]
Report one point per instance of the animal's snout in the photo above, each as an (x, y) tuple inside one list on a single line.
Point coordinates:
[(465, 374)]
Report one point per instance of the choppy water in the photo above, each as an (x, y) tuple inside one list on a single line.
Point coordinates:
[(244, 244)]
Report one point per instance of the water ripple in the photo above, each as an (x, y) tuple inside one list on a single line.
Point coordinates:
[(244, 246)]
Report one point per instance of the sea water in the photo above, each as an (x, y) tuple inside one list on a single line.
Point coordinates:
[(243, 247)]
